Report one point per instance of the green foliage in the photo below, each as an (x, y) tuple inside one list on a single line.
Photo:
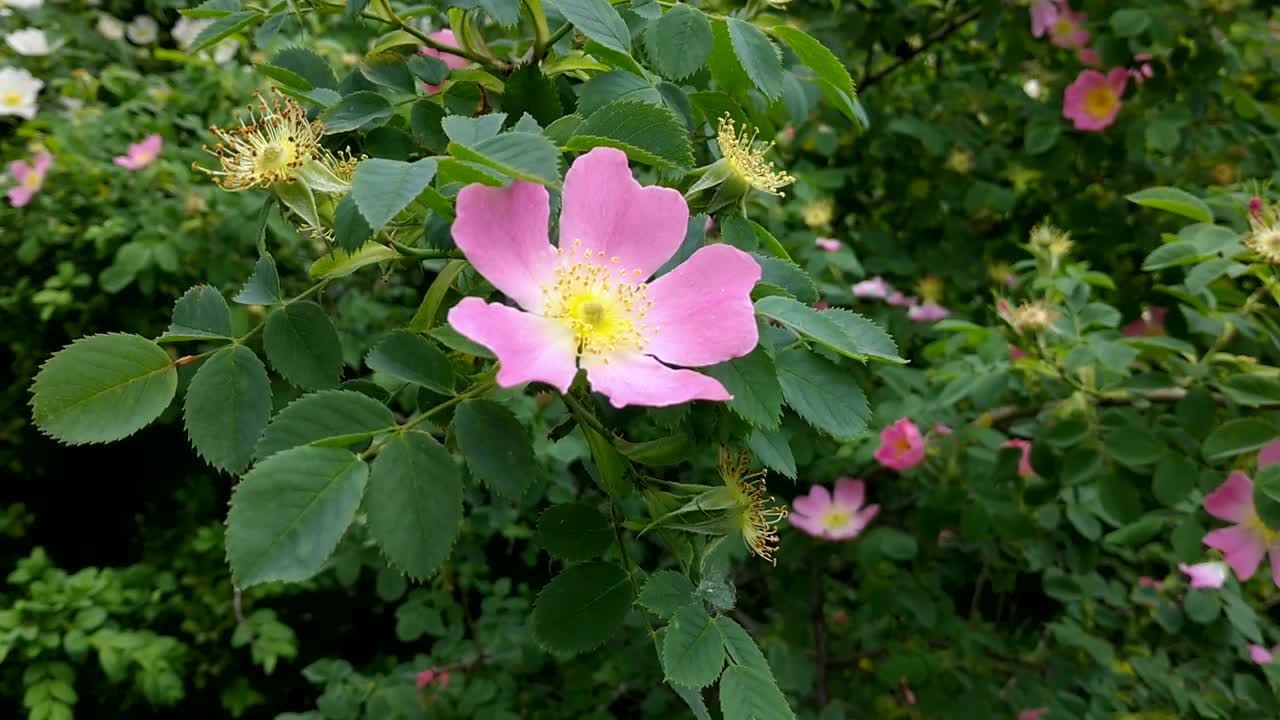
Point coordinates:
[(228, 404), (574, 531), (582, 607), (303, 346), (414, 503), (495, 445)]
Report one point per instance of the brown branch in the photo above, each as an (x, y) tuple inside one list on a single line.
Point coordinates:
[(942, 33)]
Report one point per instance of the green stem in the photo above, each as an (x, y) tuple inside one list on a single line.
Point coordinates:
[(541, 32), (616, 520), (555, 38), (422, 253), (399, 23), (478, 389), (585, 417)]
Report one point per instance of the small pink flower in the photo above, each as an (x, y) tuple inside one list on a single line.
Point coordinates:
[(1089, 57), (927, 313), (829, 244), (841, 516), (1261, 655), (901, 446), (1093, 100), (874, 287), (1255, 208), (586, 304), (1144, 71), (1205, 575), (709, 225), (897, 299), (141, 154), (940, 429), (1248, 539), (1150, 582), (945, 536), (1033, 713), (1068, 30), (454, 62), (1151, 322), (1269, 454), (1044, 13), (30, 178), (425, 678), (1024, 462), (1015, 353)]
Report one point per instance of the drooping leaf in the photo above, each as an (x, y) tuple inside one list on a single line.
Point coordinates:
[(223, 28), (752, 695), (339, 262), (1169, 199), (529, 91), (201, 313), (227, 407), (832, 75), (845, 332), (415, 503), (288, 514), (581, 607), (360, 109), (770, 446), (574, 531), (303, 346), (340, 416), (753, 382), (102, 388), (823, 394), (692, 650), (263, 287), (496, 446)]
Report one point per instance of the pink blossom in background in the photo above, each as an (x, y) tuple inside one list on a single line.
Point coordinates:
[(821, 305), (1093, 100), (1024, 462), (927, 313), (1067, 30), (586, 304), (1148, 581), (1033, 713), (1261, 655), (1044, 13), (829, 244), (940, 429), (1144, 71), (901, 446), (1089, 57), (1015, 353), (30, 178), (709, 225), (1255, 208), (874, 287), (1247, 540), (1151, 322), (141, 154), (897, 299), (1269, 454), (945, 536), (1205, 575), (833, 516), (454, 62), (425, 678)]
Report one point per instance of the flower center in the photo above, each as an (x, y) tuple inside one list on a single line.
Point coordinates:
[(277, 157), (13, 99), (32, 181), (603, 304), (1269, 537), (902, 445), (1064, 27), (836, 519), (1100, 102)]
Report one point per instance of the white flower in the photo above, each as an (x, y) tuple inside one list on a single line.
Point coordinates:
[(1033, 89), (143, 30), (110, 28), (20, 4), (18, 90), (186, 30), (225, 50), (30, 42)]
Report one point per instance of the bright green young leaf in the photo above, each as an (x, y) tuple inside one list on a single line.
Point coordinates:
[(288, 514), (574, 531), (414, 359), (522, 155), (227, 407), (647, 133), (757, 55), (1252, 390), (496, 446), (665, 592), (823, 394), (102, 388), (414, 503), (200, 314), (221, 29), (340, 416), (1175, 201), (263, 287), (361, 109), (303, 345), (692, 650), (581, 607), (1238, 436), (679, 43), (382, 188), (747, 694), (753, 382)]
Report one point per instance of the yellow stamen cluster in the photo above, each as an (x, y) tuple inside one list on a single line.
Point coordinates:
[(819, 213), (1031, 317), (747, 157), (277, 141), (343, 164), (601, 302), (755, 517), (931, 289), (1265, 239)]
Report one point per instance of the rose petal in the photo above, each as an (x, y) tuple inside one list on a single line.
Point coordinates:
[(1241, 548), (702, 312), (530, 348), (1233, 500), (850, 493), (636, 379), (813, 504), (503, 233), (607, 210)]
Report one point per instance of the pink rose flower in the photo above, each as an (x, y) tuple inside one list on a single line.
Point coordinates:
[(425, 678), (1093, 100), (1033, 713), (1024, 462), (1248, 539), (140, 154), (1261, 655), (829, 244), (1068, 30), (940, 429), (1269, 454), (1089, 57), (901, 446), (927, 313), (1205, 575), (1255, 208), (30, 178), (586, 303), (454, 62), (1144, 71), (899, 300), (874, 287), (1044, 13), (841, 516)]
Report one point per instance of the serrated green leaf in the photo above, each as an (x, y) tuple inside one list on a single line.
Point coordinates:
[(350, 229), (840, 330), (725, 67), (200, 314), (469, 130), (1252, 390), (753, 382), (665, 592), (692, 650), (772, 448), (339, 262), (360, 109), (783, 273), (818, 58), (574, 531), (1236, 437), (522, 155), (496, 446), (758, 56), (1169, 199), (598, 21), (288, 514), (415, 503), (303, 346), (307, 65), (424, 121), (615, 85), (344, 414), (823, 394), (679, 43), (102, 388), (869, 338), (382, 188), (505, 12), (747, 694), (647, 133), (413, 359), (227, 407), (529, 91), (581, 607), (221, 29), (263, 286)]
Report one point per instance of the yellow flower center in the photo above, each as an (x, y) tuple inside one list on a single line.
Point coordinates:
[(270, 149), (836, 519), (902, 445), (601, 302), (12, 99), (747, 158), (277, 157), (1064, 27), (1269, 537), (1100, 102), (1266, 242), (32, 181)]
